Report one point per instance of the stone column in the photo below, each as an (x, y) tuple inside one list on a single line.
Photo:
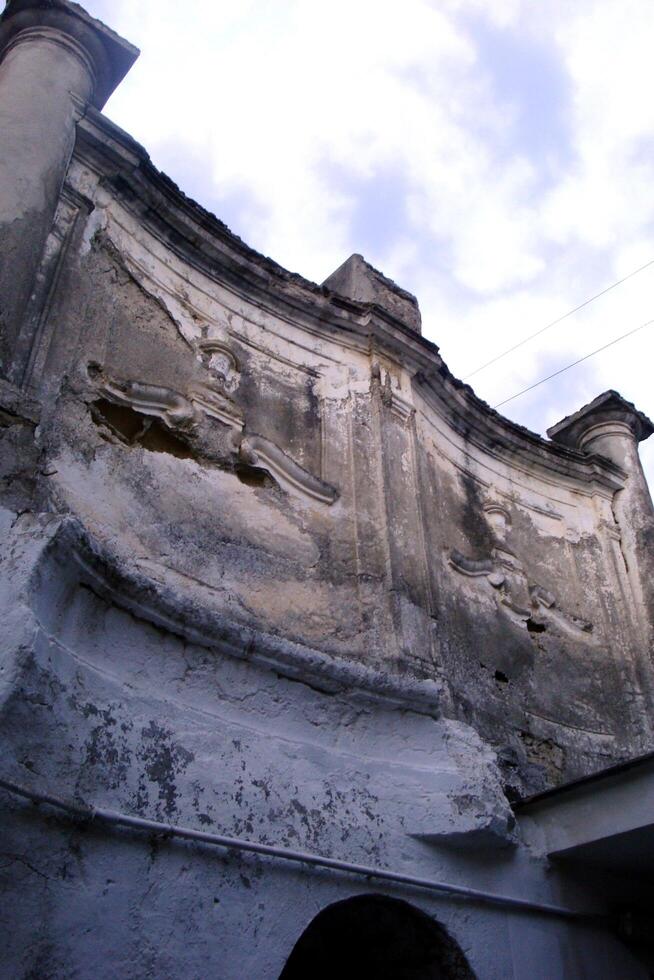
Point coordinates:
[(54, 61), (612, 427)]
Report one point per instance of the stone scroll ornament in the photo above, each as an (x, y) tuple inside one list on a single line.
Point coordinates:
[(183, 415), (528, 604), (221, 362)]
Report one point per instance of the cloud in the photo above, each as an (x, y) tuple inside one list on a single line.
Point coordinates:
[(494, 158)]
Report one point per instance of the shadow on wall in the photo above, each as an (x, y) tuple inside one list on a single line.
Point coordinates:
[(374, 936)]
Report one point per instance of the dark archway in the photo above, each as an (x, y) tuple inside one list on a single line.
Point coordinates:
[(373, 937)]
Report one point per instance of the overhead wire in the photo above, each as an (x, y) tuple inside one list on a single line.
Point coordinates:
[(579, 360), (559, 319)]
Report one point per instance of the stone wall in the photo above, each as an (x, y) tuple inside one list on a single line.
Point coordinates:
[(268, 568), (305, 467)]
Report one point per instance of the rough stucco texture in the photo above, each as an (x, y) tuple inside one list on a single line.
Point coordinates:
[(266, 568)]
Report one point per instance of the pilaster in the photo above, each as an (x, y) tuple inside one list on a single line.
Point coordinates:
[(54, 60), (612, 427)]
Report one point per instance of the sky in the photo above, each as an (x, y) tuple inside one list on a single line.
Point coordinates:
[(494, 157)]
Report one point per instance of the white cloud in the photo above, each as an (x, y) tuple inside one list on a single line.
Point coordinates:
[(523, 185)]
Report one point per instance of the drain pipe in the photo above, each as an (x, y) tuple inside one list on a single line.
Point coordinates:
[(113, 818)]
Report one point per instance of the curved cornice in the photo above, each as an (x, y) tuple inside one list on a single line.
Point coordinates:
[(481, 426), (82, 559), (205, 243)]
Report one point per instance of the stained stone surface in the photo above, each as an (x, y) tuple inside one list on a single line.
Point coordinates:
[(267, 568)]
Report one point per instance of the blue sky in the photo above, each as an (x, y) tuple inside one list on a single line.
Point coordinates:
[(492, 156)]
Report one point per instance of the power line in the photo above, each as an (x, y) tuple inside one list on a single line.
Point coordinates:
[(574, 363), (560, 319)]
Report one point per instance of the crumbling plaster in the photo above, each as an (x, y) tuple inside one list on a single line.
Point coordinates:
[(223, 742), (268, 568), (397, 469)]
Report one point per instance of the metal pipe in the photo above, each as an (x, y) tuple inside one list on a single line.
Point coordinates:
[(112, 817)]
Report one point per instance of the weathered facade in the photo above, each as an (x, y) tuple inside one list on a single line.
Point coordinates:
[(269, 571)]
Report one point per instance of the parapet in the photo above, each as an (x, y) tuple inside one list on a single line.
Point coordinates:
[(358, 280)]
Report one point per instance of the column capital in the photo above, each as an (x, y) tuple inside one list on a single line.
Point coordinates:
[(106, 55), (607, 415)]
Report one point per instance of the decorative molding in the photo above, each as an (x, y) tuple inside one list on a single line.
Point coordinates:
[(399, 406), (611, 530), (163, 403), (105, 55), (258, 451), (213, 402), (498, 518), (73, 551), (203, 243), (221, 362), (182, 413), (545, 511), (62, 39), (36, 331), (528, 604)]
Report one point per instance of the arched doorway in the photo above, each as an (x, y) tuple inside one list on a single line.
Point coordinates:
[(372, 937)]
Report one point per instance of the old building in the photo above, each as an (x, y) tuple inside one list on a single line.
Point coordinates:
[(270, 573)]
